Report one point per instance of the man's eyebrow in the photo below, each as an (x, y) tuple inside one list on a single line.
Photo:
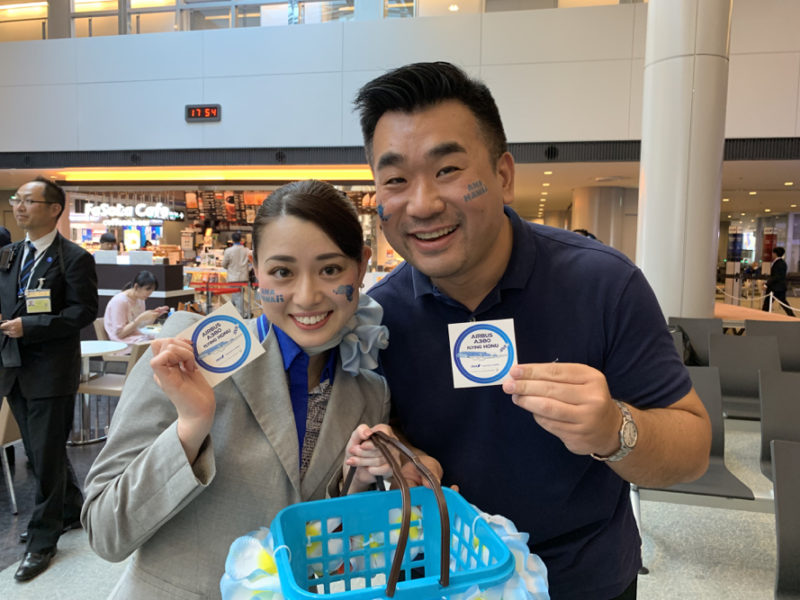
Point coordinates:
[(392, 159), (444, 149), (389, 159)]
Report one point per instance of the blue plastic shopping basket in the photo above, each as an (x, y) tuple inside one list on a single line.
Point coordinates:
[(418, 543)]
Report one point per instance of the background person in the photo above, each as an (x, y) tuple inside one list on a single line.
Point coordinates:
[(550, 449), (187, 469), (125, 313), (108, 241), (40, 359), (5, 237), (776, 282), (236, 260)]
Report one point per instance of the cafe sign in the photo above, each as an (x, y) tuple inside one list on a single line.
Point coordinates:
[(141, 211)]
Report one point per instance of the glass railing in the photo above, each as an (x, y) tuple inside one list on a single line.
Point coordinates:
[(28, 19)]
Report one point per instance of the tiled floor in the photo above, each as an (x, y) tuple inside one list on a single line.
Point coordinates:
[(695, 552)]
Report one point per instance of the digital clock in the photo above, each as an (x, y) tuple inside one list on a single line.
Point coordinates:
[(203, 113)]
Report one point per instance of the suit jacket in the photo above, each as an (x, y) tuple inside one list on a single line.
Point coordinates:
[(180, 519), (776, 282), (49, 350)]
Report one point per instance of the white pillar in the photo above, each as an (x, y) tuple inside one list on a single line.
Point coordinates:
[(556, 218), (683, 136), (599, 210)]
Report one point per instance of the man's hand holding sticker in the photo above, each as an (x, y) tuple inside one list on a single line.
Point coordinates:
[(569, 400)]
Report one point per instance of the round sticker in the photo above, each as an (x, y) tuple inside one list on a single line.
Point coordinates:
[(483, 353), (221, 344)]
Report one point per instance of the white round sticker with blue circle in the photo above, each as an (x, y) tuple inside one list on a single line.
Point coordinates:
[(221, 344), (483, 353)]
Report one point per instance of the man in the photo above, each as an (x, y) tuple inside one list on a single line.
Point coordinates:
[(236, 259), (108, 241), (549, 448), (776, 282), (48, 292)]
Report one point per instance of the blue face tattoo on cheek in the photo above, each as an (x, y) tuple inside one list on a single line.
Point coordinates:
[(475, 190), (268, 295), (383, 217), (347, 290)]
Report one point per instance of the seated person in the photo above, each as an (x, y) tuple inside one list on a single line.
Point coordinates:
[(126, 314)]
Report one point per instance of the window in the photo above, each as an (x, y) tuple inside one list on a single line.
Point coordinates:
[(398, 9)]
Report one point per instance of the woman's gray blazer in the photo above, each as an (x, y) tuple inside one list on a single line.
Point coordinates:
[(143, 497)]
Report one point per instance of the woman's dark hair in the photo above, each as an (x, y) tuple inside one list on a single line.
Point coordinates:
[(143, 279), (421, 85), (316, 202)]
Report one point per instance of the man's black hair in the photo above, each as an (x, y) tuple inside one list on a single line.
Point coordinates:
[(421, 85), (52, 193)]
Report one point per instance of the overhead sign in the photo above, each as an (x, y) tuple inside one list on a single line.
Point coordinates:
[(141, 211)]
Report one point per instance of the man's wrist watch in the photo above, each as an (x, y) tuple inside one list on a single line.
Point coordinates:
[(628, 434)]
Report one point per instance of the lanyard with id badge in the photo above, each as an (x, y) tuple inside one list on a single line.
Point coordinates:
[(38, 300)]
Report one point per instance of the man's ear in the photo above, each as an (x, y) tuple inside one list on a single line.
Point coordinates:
[(505, 172)]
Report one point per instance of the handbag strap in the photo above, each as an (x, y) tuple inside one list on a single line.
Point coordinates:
[(383, 442)]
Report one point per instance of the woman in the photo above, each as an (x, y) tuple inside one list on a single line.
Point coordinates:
[(184, 475), (126, 314)]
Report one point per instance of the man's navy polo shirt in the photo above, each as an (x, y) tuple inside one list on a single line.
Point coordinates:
[(572, 300)]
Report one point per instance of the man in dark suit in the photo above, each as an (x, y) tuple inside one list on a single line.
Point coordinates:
[(776, 282), (48, 292)]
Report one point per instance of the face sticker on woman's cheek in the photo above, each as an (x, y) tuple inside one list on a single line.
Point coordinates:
[(269, 295), (347, 290), (475, 189), (383, 217)]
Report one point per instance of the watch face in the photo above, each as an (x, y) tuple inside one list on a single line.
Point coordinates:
[(629, 434)]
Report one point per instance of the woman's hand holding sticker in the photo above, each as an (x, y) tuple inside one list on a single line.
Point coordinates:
[(176, 372)]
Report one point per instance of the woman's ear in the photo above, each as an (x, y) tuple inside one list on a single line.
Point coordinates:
[(366, 253)]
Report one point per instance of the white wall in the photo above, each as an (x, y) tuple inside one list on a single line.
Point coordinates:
[(558, 75)]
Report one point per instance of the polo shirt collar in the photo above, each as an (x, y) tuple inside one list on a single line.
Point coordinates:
[(518, 270)]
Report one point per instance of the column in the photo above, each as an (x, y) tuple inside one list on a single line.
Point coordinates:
[(556, 218), (683, 135), (58, 19), (609, 213), (599, 210), (367, 10)]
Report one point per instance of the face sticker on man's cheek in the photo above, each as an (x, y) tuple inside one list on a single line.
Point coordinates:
[(269, 295), (383, 217), (476, 189), (347, 290)]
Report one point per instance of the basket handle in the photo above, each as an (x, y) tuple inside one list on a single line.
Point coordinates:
[(382, 442)]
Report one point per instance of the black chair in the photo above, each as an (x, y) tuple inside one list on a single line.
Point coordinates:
[(739, 359), (780, 412), (785, 458), (788, 334), (717, 480), (698, 330)]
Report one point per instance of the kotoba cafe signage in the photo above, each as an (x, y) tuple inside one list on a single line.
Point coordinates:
[(129, 211)]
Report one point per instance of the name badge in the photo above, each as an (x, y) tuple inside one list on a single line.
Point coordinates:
[(482, 353), (222, 344), (37, 301)]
